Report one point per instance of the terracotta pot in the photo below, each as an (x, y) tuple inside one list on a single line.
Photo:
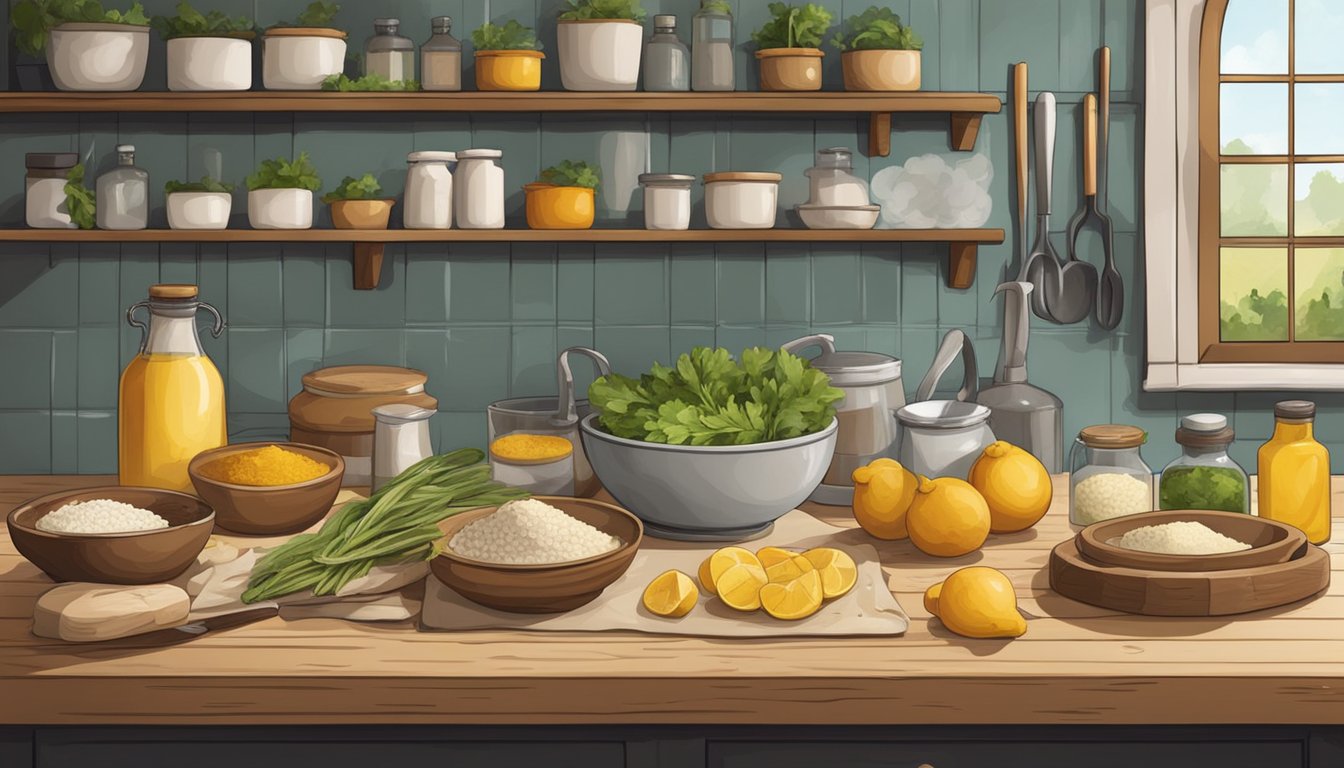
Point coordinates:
[(881, 70), (508, 70), (790, 69), (361, 214), (554, 207)]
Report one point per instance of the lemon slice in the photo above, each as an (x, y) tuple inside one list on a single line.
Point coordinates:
[(739, 587), (787, 570), (772, 555), (837, 569), (728, 557), (795, 600), (706, 578), (671, 594)]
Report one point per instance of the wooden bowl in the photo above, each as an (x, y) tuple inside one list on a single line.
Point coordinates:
[(548, 588), (1271, 542), (269, 509), (138, 557)]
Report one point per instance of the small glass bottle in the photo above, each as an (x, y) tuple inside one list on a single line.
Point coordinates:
[(441, 58), (1108, 476), (832, 181), (1204, 476), (389, 54), (666, 60), (712, 47), (122, 194), (1295, 472)]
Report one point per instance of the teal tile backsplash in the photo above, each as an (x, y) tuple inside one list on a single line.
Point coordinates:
[(485, 321)]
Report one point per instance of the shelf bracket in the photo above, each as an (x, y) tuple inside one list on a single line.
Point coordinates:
[(965, 128), (368, 265), (879, 134), (960, 265)]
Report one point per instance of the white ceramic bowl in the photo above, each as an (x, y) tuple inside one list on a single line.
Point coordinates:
[(741, 200), (209, 64), (199, 210), (98, 56), (280, 209), (599, 54), (839, 216), (296, 62)]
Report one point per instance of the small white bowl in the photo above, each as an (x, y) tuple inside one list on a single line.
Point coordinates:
[(839, 216)]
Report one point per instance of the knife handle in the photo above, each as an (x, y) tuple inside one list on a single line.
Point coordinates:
[(1090, 145)]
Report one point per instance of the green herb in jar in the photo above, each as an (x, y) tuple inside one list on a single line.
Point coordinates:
[(1217, 488)]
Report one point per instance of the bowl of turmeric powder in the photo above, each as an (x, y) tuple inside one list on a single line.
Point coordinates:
[(267, 488)]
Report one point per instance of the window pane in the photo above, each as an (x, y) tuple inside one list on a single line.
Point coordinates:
[(1254, 200), (1320, 113), (1318, 199), (1253, 118), (1319, 284), (1253, 293), (1319, 27), (1255, 37)]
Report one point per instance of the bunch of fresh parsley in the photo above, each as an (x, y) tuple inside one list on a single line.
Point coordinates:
[(351, 188), (793, 26), (283, 174), (568, 173)]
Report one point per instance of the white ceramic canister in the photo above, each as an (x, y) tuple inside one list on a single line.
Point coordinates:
[(740, 200), (209, 64), (299, 59), (98, 56), (44, 189), (599, 54), (280, 209), (943, 438), (429, 191), (199, 210), (400, 440), (667, 200), (479, 202)]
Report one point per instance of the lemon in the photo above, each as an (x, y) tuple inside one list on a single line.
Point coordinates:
[(739, 587), (769, 556), (793, 600), (671, 594), (785, 571), (726, 558), (977, 602), (706, 578), (948, 518), (836, 568), (883, 491), (1016, 486)]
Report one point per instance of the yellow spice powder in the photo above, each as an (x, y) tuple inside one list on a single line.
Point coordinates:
[(523, 447), (271, 465)]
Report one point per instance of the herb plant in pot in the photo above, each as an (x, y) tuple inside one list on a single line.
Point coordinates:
[(879, 53), (564, 197), (301, 56), (787, 47), (355, 204), (87, 48), (600, 42), (204, 204), (280, 194), (507, 57), (207, 52)]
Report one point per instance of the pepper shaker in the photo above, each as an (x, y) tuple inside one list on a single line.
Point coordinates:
[(400, 439)]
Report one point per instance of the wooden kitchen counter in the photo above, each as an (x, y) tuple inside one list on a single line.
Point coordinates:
[(1076, 664)]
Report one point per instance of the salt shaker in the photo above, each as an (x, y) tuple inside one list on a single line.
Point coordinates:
[(400, 439)]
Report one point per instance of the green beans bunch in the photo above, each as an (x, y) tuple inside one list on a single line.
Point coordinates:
[(399, 523)]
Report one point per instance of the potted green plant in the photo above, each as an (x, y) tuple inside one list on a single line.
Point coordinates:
[(600, 42), (207, 51), (204, 204), (355, 204), (508, 57), (80, 201), (87, 47), (280, 194), (300, 56), (563, 197), (878, 52), (787, 47)]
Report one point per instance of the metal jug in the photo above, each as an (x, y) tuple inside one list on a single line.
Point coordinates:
[(943, 438)]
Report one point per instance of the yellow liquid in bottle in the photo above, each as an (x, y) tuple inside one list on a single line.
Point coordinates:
[(1295, 480), (171, 408)]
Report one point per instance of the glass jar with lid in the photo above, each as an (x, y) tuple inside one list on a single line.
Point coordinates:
[(441, 58), (1109, 477), (667, 62), (44, 189), (712, 47), (1204, 476), (387, 53), (123, 194), (832, 181), (428, 202), (479, 199)]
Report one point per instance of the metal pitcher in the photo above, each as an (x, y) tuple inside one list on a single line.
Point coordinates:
[(943, 438)]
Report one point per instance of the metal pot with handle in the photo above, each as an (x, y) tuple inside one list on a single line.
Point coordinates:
[(943, 438)]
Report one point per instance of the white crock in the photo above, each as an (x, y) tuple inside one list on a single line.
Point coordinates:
[(599, 55), (199, 210), (280, 209), (209, 64), (98, 56), (943, 438), (300, 62)]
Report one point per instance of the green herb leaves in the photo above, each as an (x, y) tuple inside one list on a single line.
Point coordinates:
[(1198, 487), (602, 9), (877, 29), (793, 26), (318, 14), (510, 36), (708, 398), (569, 173), (717, 6), (363, 188), (33, 19), (283, 174), (79, 200), (370, 82), (206, 184), (190, 22)]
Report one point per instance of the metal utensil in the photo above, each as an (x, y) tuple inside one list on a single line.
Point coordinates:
[(1079, 278), (1111, 287), (1042, 266)]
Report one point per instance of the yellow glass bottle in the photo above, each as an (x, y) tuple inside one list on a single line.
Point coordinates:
[(171, 404), (1295, 472)]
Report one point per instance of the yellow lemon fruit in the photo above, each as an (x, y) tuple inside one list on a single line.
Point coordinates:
[(977, 602), (785, 571), (739, 587), (795, 599), (948, 518), (883, 491), (836, 568), (671, 594), (706, 578), (769, 556), (1015, 484), (726, 558)]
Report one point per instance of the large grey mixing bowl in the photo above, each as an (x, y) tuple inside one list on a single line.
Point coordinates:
[(708, 493)]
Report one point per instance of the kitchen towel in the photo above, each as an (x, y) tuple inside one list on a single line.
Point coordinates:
[(867, 609)]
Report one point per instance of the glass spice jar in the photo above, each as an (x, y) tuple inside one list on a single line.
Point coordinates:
[(712, 47), (1204, 476), (441, 58), (1108, 476), (389, 54), (667, 65)]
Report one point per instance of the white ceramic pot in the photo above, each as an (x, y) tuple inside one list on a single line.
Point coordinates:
[(280, 209), (300, 59), (943, 438), (209, 64), (98, 56), (199, 210), (736, 200), (599, 54)]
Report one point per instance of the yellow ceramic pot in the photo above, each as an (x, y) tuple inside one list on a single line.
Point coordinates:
[(554, 207), (508, 70), (361, 214), (790, 69)]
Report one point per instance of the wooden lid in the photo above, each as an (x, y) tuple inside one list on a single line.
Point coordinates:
[(305, 32), (365, 380), (742, 176), (770, 53), (520, 52), (173, 291), (1112, 436)]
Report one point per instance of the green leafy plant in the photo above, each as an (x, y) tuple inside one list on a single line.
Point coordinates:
[(190, 22), (371, 82), (510, 36), (876, 29), (793, 26), (717, 6), (364, 188), (708, 398), (206, 184), (283, 174), (33, 20), (602, 9), (79, 199), (317, 14), (569, 173)]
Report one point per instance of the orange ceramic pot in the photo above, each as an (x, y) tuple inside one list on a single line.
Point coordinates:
[(361, 214), (790, 69), (881, 70), (508, 70), (554, 207)]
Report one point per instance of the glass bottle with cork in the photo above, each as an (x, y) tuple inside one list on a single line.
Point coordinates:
[(1204, 476), (1295, 472)]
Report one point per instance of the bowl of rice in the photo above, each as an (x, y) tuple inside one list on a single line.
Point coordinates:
[(1190, 540), (112, 534), (546, 554), (268, 488)]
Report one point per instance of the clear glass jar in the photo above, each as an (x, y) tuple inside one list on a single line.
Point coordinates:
[(441, 58), (832, 181), (429, 191), (1108, 477), (712, 47), (44, 189), (123, 194), (389, 54), (667, 62), (1204, 476), (479, 202)]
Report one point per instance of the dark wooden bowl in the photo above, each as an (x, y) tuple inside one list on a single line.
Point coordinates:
[(140, 557), (1271, 542), (549, 588), (269, 509)]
